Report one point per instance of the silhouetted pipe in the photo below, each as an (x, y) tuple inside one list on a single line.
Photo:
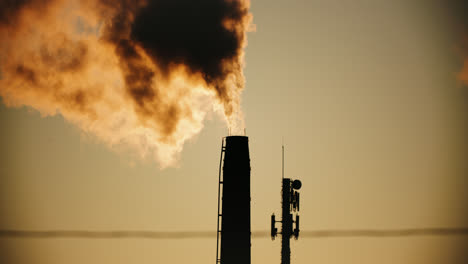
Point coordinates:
[(235, 223), (151, 234)]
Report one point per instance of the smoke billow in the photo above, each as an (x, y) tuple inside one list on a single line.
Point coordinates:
[(140, 74)]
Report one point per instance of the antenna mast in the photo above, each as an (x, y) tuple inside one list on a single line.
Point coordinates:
[(282, 163), (289, 208)]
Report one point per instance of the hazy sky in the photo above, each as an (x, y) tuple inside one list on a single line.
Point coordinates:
[(374, 120)]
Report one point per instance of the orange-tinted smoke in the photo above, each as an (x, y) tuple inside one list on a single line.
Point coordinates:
[(136, 74), (463, 74)]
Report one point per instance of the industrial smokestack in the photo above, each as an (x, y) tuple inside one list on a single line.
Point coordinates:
[(234, 212)]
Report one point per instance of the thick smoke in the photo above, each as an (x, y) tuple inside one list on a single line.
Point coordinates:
[(136, 74)]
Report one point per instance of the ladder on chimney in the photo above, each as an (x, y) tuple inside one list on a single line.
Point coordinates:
[(220, 182)]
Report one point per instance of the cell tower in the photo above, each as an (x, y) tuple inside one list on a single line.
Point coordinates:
[(290, 207)]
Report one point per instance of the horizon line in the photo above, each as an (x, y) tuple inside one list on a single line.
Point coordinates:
[(149, 234)]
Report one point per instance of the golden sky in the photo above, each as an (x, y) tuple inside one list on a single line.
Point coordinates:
[(374, 120)]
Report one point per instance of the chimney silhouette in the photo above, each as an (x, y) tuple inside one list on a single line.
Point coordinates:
[(234, 202)]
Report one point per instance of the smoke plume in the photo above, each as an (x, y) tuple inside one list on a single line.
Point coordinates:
[(141, 74)]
